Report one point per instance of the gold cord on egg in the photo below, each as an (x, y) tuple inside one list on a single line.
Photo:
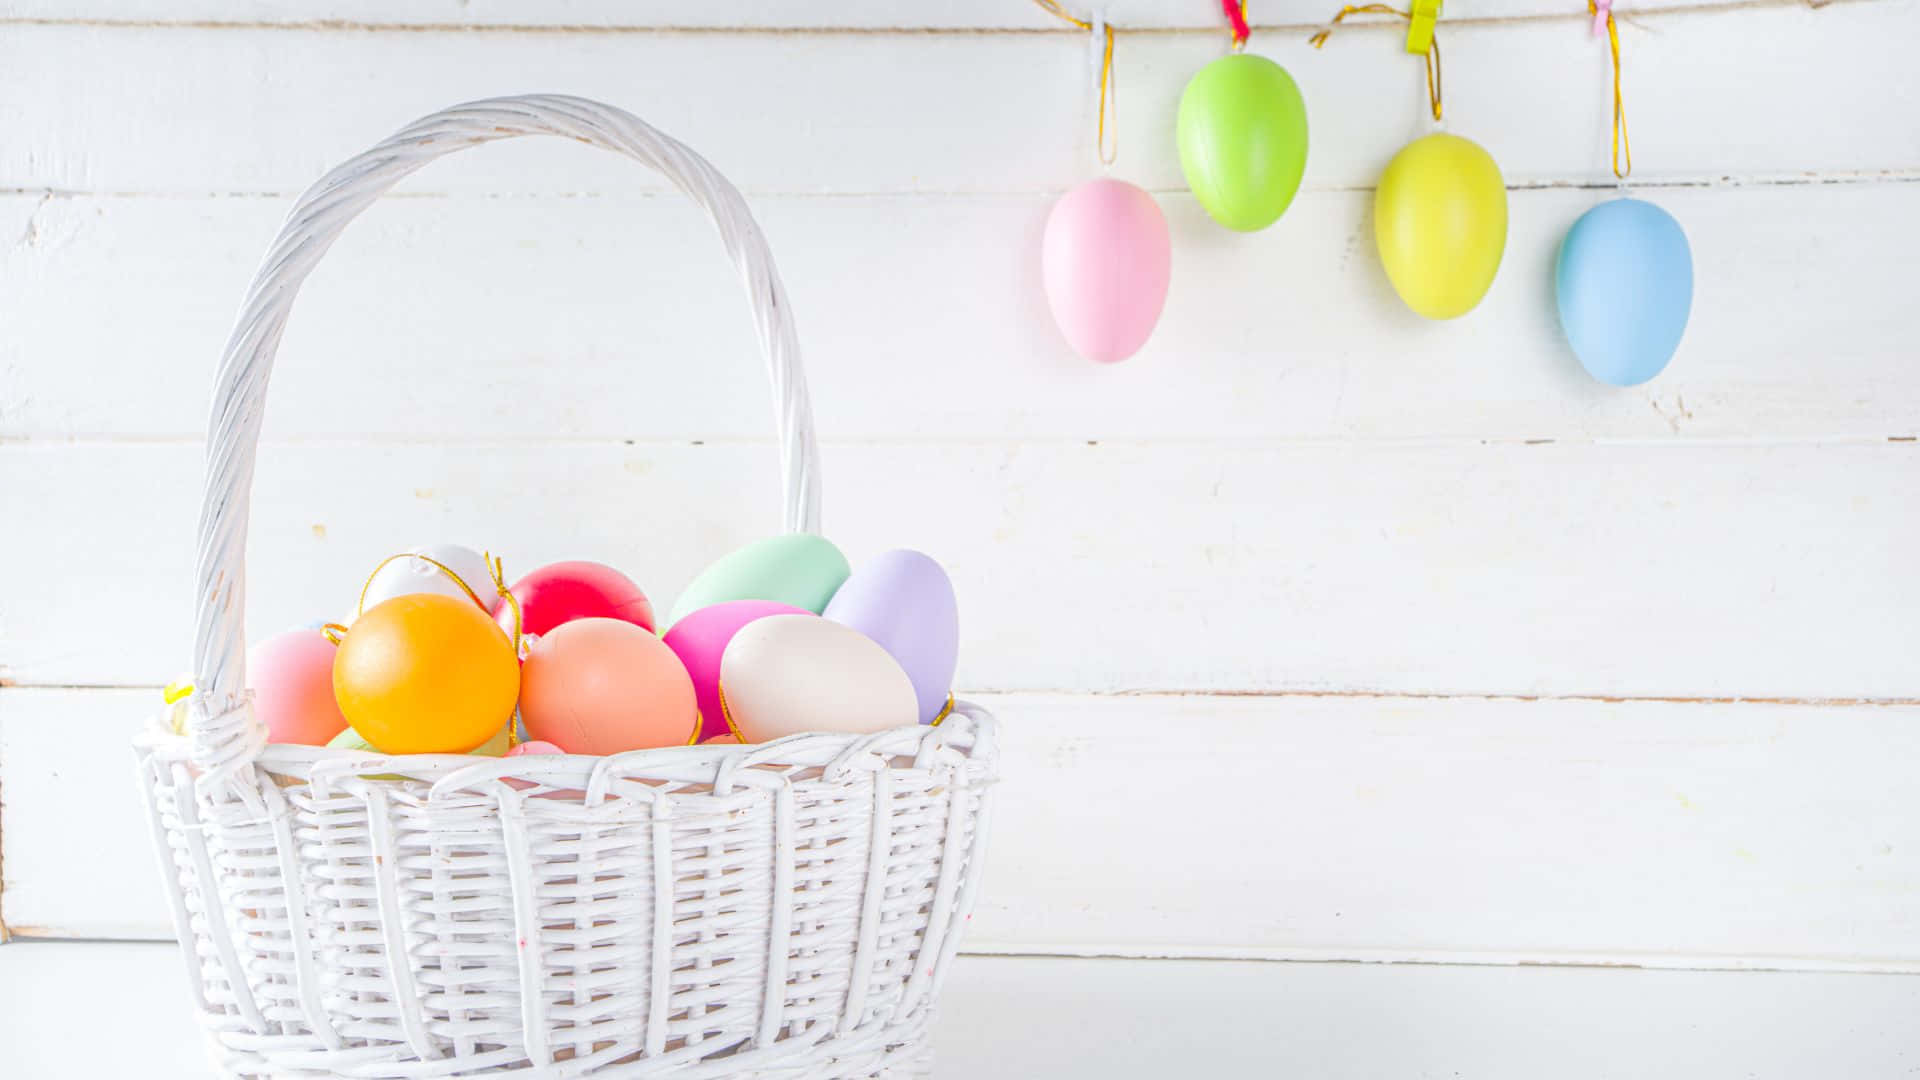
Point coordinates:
[(497, 571), (726, 713), (360, 607), (945, 711)]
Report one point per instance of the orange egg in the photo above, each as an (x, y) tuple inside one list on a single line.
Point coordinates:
[(601, 686), (426, 674)]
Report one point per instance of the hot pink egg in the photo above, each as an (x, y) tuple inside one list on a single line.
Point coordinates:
[(700, 637), (1105, 260), (291, 676)]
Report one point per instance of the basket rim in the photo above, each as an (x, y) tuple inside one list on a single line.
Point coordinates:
[(967, 736)]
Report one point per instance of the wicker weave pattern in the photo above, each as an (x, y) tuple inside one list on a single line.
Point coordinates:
[(784, 910)]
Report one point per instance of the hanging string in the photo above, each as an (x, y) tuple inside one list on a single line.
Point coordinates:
[(1433, 75), (1433, 48), (1109, 104), (497, 571), (1237, 18), (1620, 142)]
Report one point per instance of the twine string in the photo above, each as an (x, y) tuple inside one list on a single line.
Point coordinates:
[(1319, 40), (1107, 133), (1603, 15)]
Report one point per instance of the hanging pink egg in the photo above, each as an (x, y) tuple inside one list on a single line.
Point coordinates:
[(1105, 260)]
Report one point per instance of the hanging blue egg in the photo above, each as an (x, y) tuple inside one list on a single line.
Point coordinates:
[(1624, 283)]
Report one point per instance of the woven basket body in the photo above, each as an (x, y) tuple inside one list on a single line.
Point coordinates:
[(782, 910)]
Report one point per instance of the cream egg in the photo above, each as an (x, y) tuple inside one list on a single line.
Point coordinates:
[(787, 674)]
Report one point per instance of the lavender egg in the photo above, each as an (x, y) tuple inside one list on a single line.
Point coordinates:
[(904, 601)]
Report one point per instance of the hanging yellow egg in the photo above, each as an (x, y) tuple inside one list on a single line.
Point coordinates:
[(426, 674), (1440, 219)]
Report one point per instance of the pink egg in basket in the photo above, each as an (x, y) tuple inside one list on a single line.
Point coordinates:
[(534, 748), (700, 638), (291, 676)]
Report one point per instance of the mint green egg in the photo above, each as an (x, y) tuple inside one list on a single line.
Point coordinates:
[(800, 569), (1243, 140)]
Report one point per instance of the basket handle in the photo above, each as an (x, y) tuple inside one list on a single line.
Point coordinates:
[(226, 738)]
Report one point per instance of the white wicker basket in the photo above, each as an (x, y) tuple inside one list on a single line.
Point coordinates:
[(782, 910)]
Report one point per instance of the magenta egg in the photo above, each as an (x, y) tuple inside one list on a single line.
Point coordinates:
[(700, 638), (1105, 262)]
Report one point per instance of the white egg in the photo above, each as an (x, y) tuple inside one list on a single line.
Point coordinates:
[(786, 674), (408, 574)]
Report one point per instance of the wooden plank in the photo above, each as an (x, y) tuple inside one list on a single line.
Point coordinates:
[(1626, 570), (1137, 1019), (618, 318), (198, 110), (1657, 834), (752, 15)]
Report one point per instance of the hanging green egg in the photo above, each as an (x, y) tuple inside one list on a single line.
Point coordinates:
[(1243, 140)]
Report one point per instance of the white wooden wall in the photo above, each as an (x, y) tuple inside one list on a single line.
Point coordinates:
[(1318, 631)]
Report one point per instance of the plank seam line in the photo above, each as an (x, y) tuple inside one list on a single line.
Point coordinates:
[(1413, 957), (1683, 962), (1838, 178), (1278, 695), (50, 442)]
